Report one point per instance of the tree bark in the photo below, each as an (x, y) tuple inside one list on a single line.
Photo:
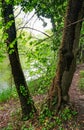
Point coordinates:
[(26, 101), (58, 93)]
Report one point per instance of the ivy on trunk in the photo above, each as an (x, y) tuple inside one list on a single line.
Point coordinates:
[(58, 92), (26, 101)]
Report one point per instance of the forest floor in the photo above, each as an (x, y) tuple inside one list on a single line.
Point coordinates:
[(77, 96), (10, 113)]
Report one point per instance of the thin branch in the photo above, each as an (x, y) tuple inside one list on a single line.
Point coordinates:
[(78, 21), (27, 23), (34, 22), (34, 30), (21, 23), (30, 19), (15, 9), (18, 13)]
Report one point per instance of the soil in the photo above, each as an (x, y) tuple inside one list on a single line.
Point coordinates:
[(77, 96), (10, 108)]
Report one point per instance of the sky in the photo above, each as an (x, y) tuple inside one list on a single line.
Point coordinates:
[(34, 22)]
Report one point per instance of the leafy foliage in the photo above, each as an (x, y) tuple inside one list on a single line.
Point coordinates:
[(53, 9), (41, 64), (56, 7)]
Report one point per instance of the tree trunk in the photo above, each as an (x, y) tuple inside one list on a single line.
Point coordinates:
[(26, 101), (58, 93)]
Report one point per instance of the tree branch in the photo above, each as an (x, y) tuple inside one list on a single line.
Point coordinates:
[(78, 21), (18, 13), (34, 30)]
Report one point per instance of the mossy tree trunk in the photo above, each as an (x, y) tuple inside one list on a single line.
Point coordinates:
[(26, 101), (58, 93)]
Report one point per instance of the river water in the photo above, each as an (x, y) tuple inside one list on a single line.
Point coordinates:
[(4, 83), (6, 80)]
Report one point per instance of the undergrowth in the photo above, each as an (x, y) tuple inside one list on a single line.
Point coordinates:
[(46, 121), (39, 86), (6, 94)]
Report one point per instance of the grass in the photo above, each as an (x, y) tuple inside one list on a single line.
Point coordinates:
[(35, 87), (6, 94), (81, 81)]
